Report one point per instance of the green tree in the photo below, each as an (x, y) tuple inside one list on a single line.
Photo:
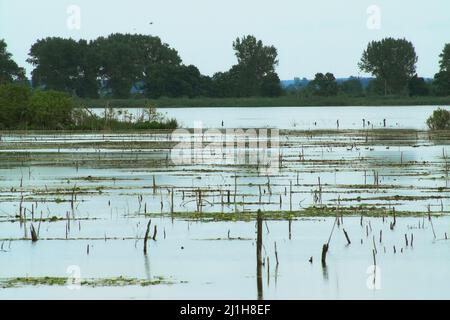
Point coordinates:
[(352, 87), (127, 59), (324, 85), (55, 62), (9, 70), (226, 84), (87, 82), (417, 86), (270, 86), (65, 65), (441, 81), (173, 81), (13, 105), (444, 63), (391, 61), (255, 62), (49, 110), (439, 120)]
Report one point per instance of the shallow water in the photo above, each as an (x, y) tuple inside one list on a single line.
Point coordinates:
[(226, 269), (300, 118), (114, 197)]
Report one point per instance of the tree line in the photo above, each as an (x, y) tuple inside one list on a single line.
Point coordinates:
[(116, 64), (392, 62), (120, 64)]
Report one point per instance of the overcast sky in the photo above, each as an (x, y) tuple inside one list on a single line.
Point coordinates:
[(311, 36)]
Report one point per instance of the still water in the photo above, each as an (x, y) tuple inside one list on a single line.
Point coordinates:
[(300, 118), (114, 175)]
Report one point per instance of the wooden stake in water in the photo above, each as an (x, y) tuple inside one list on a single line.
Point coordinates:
[(276, 253), (324, 255), (431, 221), (259, 262), (346, 236), (154, 233), (34, 236), (326, 246), (146, 236)]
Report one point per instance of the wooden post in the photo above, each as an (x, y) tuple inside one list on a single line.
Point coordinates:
[(259, 261), (276, 253), (146, 236), (154, 233), (324, 255), (290, 228), (34, 236), (346, 236)]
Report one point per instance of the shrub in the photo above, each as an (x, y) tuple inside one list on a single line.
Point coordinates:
[(13, 105), (50, 110), (439, 120)]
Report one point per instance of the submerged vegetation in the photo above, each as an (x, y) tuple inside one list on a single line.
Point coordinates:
[(64, 281), (115, 202)]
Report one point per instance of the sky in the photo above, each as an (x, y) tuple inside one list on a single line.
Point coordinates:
[(311, 36)]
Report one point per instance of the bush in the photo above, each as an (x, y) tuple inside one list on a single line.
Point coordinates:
[(13, 105), (22, 108), (439, 120), (50, 110)]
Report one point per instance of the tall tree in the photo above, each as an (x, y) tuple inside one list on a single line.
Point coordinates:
[(444, 63), (56, 63), (442, 78), (255, 62), (127, 58), (65, 65), (9, 70), (87, 80), (391, 61)]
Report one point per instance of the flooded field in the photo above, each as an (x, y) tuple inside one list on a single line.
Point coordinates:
[(77, 211), (295, 118)]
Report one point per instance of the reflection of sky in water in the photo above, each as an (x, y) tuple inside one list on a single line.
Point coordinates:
[(302, 118), (215, 268)]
